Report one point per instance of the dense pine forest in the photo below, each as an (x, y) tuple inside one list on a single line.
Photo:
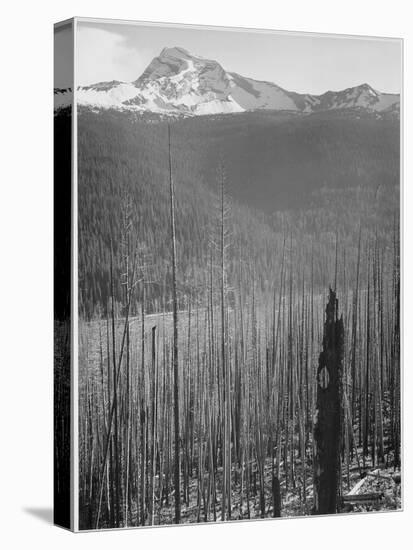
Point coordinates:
[(233, 271), (312, 176)]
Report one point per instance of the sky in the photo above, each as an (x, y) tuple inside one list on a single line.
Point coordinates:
[(297, 62), (63, 57)]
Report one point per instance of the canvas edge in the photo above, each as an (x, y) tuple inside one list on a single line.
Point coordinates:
[(68, 23), (259, 30)]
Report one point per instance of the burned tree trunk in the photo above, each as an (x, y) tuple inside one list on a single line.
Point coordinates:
[(276, 497), (177, 468), (328, 423)]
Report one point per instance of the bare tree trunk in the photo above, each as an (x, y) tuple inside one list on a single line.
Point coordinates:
[(154, 422), (115, 396), (175, 339)]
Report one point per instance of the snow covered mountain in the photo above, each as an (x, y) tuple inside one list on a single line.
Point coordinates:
[(179, 83)]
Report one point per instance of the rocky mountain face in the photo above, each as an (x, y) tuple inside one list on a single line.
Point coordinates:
[(178, 83)]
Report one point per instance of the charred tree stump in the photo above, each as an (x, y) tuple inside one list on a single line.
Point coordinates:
[(276, 497), (328, 416)]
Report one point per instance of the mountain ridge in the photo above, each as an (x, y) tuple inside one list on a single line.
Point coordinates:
[(178, 83)]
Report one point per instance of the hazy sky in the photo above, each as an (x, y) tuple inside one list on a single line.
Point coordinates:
[(301, 63)]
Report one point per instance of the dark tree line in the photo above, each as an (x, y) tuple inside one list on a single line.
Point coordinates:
[(119, 157)]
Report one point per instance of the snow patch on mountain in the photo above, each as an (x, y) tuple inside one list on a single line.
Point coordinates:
[(62, 97), (113, 96)]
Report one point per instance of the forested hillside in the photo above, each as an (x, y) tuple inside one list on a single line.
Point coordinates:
[(312, 177)]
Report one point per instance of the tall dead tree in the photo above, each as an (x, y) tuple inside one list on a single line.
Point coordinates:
[(328, 419), (177, 469), (224, 210)]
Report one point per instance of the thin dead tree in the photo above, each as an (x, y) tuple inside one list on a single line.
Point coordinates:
[(177, 469)]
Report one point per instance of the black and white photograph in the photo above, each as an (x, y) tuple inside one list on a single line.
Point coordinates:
[(236, 219)]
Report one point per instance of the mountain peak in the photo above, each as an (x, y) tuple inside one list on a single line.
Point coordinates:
[(365, 87), (175, 52), (169, 62)]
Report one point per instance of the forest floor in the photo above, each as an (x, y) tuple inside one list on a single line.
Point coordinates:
[(383, 481)]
